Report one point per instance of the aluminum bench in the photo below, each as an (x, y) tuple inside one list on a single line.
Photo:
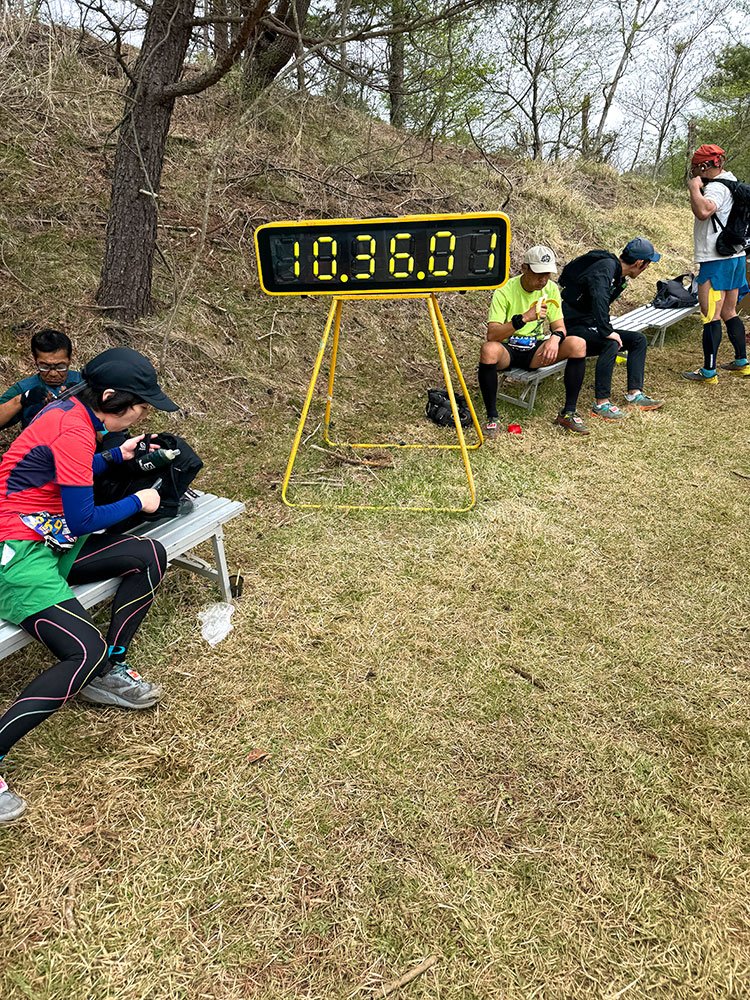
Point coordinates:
[(647, 318), (178, 536), (528, 382)]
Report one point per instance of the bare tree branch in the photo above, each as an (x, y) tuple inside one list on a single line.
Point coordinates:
[(223, 65)]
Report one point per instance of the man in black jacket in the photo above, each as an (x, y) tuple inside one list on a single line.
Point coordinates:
[(590, 284)]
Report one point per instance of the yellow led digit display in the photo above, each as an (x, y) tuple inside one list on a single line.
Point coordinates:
[(442, 255), (401, 263), (324, 258), (365, 244), (415, 253)]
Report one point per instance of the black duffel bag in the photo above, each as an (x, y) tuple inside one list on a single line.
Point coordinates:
[(172, 481), (674, 294), (438, 408)]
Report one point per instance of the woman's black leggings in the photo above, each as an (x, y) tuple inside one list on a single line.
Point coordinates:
[(68, 631)]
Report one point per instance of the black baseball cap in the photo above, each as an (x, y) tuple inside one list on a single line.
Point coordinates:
[(123, 368)]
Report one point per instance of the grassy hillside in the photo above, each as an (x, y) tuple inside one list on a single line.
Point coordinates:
[(580, 834)]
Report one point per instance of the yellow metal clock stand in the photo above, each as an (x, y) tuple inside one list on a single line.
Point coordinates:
[(442, 341)]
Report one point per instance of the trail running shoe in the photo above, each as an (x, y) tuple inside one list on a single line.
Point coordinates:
[(736, 368), (700, 376), (643, 402), (12, 806), (571, 421), (122, 687), (491, 430), (607, 411)]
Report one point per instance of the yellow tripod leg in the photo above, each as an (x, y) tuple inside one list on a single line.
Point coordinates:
[(459, 373), (432, 302), (332, 373), (436, 329), (334, 315), (440, 332)]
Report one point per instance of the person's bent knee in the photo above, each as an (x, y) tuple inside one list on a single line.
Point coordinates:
[(161, 554), (93, 662), (491, 353), (609, 347), (576, 347), (152, 554)]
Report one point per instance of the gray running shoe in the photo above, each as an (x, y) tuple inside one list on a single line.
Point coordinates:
[(699, 375), (643, 402), (737, 367), (122, 687), (12, 806), (607, 411)]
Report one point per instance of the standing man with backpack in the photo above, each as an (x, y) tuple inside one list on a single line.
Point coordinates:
[(590, 284), (719, 235)]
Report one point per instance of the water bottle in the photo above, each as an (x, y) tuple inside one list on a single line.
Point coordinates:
[(154, 460)]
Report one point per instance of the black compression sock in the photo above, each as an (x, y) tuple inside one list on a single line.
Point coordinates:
[(736, 333), (711, 341), (573, 380), (487, 375)]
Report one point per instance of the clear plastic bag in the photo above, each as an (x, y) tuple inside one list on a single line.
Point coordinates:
[(216, 622)]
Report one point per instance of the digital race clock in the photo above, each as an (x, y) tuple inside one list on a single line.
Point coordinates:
[(414, 253)]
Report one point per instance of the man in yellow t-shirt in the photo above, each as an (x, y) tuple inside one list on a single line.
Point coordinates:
[(517, 337)]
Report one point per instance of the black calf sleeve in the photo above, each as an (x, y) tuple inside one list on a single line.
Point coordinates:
[(736, 333), (711, 341), (487, 375), (573, 380)]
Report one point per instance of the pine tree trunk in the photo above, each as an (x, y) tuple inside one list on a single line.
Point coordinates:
[(125, 287), (269, 53), (396, 69), (221, 31)]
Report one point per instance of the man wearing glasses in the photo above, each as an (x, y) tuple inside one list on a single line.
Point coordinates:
[(52, 351)]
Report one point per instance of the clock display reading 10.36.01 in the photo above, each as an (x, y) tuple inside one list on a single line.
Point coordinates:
[(411, 253)]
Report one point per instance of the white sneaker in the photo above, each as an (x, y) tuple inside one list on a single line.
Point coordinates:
[(12, 806)]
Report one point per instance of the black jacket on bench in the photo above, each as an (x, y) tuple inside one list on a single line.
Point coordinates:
[(589, 285)]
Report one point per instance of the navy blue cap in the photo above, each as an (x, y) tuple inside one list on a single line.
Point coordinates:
[(123, 368), (640, 249)]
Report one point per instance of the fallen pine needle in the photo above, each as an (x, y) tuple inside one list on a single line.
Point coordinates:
[(408, 977), (68, 905), (528, 677)]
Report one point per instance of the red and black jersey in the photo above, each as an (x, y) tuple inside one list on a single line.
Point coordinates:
[(55, 450)]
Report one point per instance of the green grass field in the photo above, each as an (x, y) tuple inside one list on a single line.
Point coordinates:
[(515, 740)]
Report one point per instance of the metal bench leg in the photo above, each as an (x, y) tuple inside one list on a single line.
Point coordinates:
[(219, 573), (526, 394), (222, 569), (658, 339), (532, 394)]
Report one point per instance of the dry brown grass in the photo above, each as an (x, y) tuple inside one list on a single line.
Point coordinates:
[(582, 837)]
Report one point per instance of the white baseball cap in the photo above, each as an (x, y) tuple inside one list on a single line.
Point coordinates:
[(541, 260)]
